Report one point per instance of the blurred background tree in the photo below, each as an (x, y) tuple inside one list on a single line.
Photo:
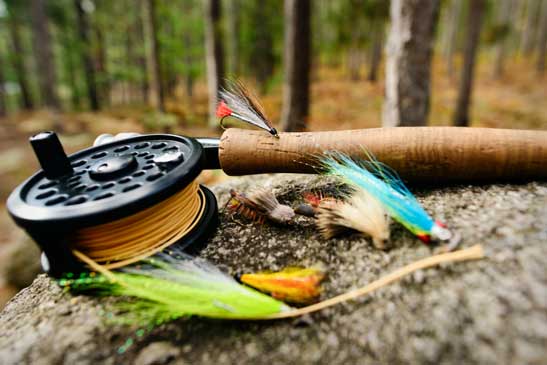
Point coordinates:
[(297, 64), (408, 66), (214, 54), (151, 57), (475, 19)]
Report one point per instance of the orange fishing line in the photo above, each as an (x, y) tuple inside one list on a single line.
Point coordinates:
[(130, 239)]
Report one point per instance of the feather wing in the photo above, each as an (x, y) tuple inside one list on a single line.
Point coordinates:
[(384, 185), (238, 102), (173, 285), (293, 284)]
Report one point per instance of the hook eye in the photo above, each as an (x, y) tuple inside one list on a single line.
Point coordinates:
[(452, 243)]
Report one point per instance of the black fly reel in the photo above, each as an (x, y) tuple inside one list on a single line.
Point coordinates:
[(103, 184)]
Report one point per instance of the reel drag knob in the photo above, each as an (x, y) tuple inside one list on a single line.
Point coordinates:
[(113, 167)]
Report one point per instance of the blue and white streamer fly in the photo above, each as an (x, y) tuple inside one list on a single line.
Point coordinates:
[(385, 185)]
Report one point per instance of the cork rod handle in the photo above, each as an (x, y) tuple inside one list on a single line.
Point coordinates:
[(419, 154)]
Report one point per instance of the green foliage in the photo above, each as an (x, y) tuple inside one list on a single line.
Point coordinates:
[(158, 121), (261, 39), (497, 33), (346, 23), (181, 38)]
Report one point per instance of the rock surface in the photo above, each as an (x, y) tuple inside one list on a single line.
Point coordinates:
[(492, 311), (22, 263)]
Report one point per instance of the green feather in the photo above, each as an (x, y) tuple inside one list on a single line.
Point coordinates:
[(174, 285)]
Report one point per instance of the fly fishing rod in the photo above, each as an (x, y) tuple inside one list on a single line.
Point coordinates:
[(131, 196)]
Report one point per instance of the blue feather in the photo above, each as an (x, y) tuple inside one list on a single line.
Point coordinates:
[(385, 185)]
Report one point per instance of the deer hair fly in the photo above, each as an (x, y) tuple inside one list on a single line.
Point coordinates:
[(358, 212)]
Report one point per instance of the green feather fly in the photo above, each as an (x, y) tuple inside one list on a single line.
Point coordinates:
[(174, 285)]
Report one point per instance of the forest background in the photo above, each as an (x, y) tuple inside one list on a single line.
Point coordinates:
[(86, 67)]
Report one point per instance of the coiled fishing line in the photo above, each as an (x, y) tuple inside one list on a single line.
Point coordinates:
[(131, 239)]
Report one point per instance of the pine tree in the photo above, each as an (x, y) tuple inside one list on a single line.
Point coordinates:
[(297, 62), (408, 67), (214, 55), (475, 18), (43, 52)]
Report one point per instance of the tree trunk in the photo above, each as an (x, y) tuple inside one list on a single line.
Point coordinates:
[(476, 12), (70, 64), (408, 66), (376, 50), (453, 19), (101, 66), (529, 32), (130, 58), (153, 66), (3, 101), (297, 62), (233, 35), (188, 60), (504, 19), (262, 53), (354, 63), (142, 59), (542, 40), (87, 59), (44, 55), (188, 42), (214, 55), (18, 60), (169, 77)]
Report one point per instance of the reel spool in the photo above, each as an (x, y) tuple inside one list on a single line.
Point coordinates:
[(115, 203)]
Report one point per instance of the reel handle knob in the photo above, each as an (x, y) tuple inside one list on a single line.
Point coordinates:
[(51, 155)]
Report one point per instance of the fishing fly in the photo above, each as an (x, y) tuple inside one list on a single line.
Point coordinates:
[(382, 183), (170, 286), (238, 102), (360, 212), (259, 205), (311, 203), (173, 284), (296, 285)]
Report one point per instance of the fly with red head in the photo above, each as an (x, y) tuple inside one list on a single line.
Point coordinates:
[(238, 102)]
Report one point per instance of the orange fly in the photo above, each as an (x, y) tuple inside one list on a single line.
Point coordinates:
[(293, 284)]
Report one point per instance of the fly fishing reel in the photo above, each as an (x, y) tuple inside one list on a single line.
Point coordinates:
[(117, 202)]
